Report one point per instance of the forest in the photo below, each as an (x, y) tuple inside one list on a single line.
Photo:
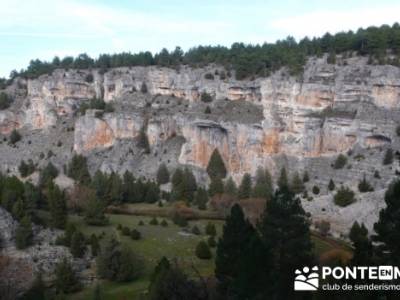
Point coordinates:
[(380, 44)]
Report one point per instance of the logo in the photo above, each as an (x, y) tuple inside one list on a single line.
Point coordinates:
[(306, 280)]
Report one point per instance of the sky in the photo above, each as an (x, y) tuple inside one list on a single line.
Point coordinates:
[(43, 29)]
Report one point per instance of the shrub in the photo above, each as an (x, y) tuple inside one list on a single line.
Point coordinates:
[(210, 229), (125, 231), (196, 230), (331, 185), (89, 78), (216, 166), (206, 97), (26, 169), (153, 221), (143, 88), (5, 101), (364, 186), (306, 177), (164, 223), (119, 227), (398, 130), (24, 234), (377, 175), (203, 250), (344, 197), (14, 137), (66, 280), (340, 162), (136, 235), (141, 223), (315, 190), (207, 110), (179, 220), (209, 76), (211, 242), (388, 158)]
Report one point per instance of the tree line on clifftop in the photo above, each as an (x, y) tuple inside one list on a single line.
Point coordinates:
[(246, 60)]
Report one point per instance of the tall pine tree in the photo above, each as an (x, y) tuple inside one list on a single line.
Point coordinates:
[(245, 187), (216, 166)]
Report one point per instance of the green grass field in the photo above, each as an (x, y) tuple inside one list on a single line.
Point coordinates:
[(158, 241)]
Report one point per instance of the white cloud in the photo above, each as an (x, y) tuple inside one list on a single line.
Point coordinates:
[(317, 23)]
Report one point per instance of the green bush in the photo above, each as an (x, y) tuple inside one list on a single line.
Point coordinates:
[(388, 158), (153, 221), (210, 229), (344, 197), (125, 231), (340, 162), (315, 190), (364, 186), (206, 97), (5, 101), (211, 242), (203, 250), (135, 234), (164, 223), (331, 185), (14, 137), (179, 220)]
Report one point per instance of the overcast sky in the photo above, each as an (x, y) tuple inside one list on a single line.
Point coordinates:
[(46, 28)]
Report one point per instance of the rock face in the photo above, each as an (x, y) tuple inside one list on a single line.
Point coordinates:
[(276, 121)]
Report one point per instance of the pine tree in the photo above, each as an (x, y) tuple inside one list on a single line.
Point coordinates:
[(162, 174), (97, 295), (283, 180), (78, 245), (216, 186), (37, 290), (263, 185), (230, 187), (331, 185), (47, 174), (285, 230), (297, 185), (216, 166), (94, 245), (177, 192), (201, 198), (306, 177), (24, 233), (143, 141), (203, 250), (94, 212), (78, 169), (237, 233), (245, 187), (57, 206), (210, 229), (189, 185), (66, 280), (388, 225), (143, 88), (364, 186), (388, 158)]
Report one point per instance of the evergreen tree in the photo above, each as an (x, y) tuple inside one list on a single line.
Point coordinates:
[(216, 186), (66, 280), (178, 187), (364, 186), (237, 233), (143, 88), (37, 290), (143, 141), (388, 226), (285, 231), (245, 187), (118, 263), (331, 185), (216, 166), (230, 187), (189, 185), (306, 177), (210, 229), (78, 245), (57, 206), (203, 250), (94, 244), (97, 295), (388, 158), (15, 137), (201, 198), (162, 174), (152, 193), (297, 185), (128, 187), (94, 212), (24, 233), (48, 174), (263, 184), (100, 184), (283, 180), (78, 169)]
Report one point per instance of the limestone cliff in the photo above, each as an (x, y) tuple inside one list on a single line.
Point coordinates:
[(302, 122)]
